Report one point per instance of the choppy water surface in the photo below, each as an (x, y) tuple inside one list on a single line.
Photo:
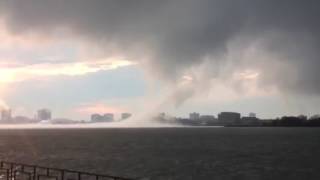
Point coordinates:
[(172, 153)]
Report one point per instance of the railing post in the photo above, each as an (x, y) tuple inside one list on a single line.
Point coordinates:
[(11, 171), (34, 172), (7, 174), (47, 171), (62, 175)]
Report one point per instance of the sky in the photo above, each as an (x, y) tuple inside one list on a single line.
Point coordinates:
[(78, 57)]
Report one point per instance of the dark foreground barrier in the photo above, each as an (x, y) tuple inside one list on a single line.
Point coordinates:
[(18, 171)]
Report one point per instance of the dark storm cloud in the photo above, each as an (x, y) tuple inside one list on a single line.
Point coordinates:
[(182, 33)]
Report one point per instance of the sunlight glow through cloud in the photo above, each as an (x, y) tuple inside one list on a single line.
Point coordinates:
[(98, 107), (20, 73), (247, 75), (16, 65)]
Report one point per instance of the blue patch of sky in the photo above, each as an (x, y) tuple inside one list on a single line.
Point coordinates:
[(63, 91)]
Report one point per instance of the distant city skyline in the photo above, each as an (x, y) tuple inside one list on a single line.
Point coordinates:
[(118, 114), (44, 114), (222, 119)]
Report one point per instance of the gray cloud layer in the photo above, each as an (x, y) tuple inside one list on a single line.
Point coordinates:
[(182, 33)]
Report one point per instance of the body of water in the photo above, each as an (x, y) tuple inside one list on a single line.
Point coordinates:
[(171, 153)]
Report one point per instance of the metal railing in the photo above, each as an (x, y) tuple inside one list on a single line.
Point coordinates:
[(19, 171)]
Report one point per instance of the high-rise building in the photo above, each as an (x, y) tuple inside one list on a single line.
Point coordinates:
[(194, 115), (107, 117), (44, 114), (125, 115), (6, 115), (96, 118), (229, 118)]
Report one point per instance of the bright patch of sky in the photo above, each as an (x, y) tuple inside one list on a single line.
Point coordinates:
[(62, 93)]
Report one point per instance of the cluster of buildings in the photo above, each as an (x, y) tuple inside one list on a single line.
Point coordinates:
[(108, 117), (45, 116), (223, 119), (195, 119), (42, 115), (235, 119)]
